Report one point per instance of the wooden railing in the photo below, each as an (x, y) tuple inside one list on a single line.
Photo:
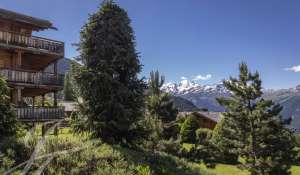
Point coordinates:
[(39, 113), (35, 78), (17, 39)]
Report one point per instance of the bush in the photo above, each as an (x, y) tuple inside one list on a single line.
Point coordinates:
[(20, 151), (297, 155), (170, 146), (171, 130), (297, 139), (144, 170), (188, 129), (203, 135)]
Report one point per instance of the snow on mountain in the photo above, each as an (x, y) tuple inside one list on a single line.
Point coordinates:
[(186, 87)]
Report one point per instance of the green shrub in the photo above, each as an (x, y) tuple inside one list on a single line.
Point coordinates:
[(297, 155), (143, 170), (170, 146), (297, 139), (203, 135)]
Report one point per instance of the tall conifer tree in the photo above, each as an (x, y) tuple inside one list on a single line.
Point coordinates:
[(111, 91), (262, 138)]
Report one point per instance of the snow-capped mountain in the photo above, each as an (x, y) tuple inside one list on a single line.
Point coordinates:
[(186, 87), (204, 97)]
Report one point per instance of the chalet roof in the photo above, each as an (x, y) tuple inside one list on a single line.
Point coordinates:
[(214, 116), (40, 24)]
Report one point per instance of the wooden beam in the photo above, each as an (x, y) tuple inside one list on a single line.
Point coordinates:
[(19, 59), (55, 98), (19, 95), (55, 68), (33, 102), (43, 100)]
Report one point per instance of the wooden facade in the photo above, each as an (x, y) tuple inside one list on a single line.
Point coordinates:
[(23, 60)]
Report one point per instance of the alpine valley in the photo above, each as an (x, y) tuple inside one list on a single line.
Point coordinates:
[(204, 97)]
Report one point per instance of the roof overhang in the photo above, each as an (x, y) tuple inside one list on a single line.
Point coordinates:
[(39, 24)]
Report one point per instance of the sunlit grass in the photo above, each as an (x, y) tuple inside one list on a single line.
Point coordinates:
[(224, 169)]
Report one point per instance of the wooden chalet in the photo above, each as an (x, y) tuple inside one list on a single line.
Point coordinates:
[(23, 60), (207, 119)]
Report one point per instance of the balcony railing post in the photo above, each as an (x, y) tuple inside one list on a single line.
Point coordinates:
[(39, 113), (37, 78), (31, 41)]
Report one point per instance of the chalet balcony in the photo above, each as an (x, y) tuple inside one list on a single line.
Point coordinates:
[(39, 114), (32, 78), (12, 39)]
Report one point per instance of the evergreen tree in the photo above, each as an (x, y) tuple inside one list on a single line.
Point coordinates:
[(262, 138), (8, 121), (188, 129), (112, 94), (68, 88), (160, 104), (155, 83), (224, 140)]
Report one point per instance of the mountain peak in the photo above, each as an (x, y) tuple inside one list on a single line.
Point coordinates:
[(186, 87)]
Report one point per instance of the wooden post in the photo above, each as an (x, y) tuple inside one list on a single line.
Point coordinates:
[(55, 98), (19, 59), (55, 131), (43, 129), (33, 102), (43, 100), (55, 68), (19, 95)]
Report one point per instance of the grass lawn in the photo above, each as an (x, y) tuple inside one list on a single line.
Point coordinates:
[(223, 169)]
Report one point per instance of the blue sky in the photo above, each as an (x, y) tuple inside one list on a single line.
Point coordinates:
[(204, 38)]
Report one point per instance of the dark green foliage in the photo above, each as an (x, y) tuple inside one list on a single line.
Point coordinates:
[(112, 95), (68, 88), (188, 129), (297, 139), (262, 138), (224, 139), (171, 130), (160, 104), (8, 121)]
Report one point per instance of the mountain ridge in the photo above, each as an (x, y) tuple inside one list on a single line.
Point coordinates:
[(204, 96)]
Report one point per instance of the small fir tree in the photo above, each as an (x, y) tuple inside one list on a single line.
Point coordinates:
[(107, 82), (188, 129), (160, 104), (262, 138), (224, 140)]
